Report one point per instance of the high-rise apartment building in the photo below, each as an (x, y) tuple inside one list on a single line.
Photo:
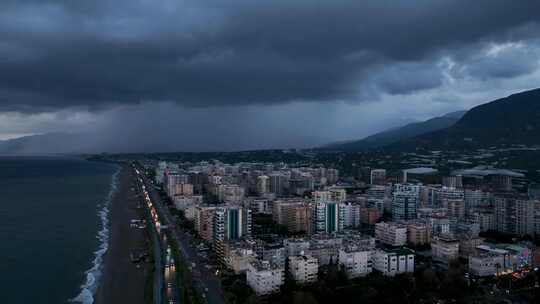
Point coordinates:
[(204, 222), (298, 218), (514, 215), (405, 202), (328, 217), (230, 223)]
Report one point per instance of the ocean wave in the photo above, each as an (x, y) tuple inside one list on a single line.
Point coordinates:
[(89, 287)]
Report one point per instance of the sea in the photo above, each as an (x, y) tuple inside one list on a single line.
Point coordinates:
[(54, 220)]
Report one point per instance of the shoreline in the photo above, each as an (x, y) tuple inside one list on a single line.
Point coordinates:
[(89, 287), (121, 281)]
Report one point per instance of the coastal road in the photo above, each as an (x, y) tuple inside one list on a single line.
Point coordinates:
[(165, 283), (205, 280)]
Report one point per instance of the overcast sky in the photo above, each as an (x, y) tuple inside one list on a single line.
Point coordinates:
[(193, 75)]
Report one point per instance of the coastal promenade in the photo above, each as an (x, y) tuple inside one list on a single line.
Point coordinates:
[(166, 287), (206, 282)]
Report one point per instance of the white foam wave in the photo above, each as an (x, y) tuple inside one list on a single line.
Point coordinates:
[(89, 287)]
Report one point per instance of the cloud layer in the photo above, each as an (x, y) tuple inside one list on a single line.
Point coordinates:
[(206, 53), (224, 59)]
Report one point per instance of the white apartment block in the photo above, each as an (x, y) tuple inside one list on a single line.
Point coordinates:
[(351, 215), (303, 269), (356, 261), (392, 234), (264, 278), (392, 262)]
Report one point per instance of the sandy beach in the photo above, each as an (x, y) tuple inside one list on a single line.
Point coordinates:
[(122, 281)]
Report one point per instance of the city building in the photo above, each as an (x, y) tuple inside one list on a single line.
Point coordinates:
[(444, 194), (238, 259), (405, 202), (418, 233), (486, 264), (390, 233), (259, 205), (303, 268), (182, 202), (296, 246), (455, 208), (264, 277), (475, 198), (325, 248), (515, 256), (263, 185), (278, 183), (486, 220), (335, 195), (230, 194), (514, 215), (328, 217), (468, 245), (204, 222), (355, 261), (274, 253), (351, 217), (440, 225), (298, 218), (370, 216), (444, 249), (280, 208), (393, 261), (230, 224)]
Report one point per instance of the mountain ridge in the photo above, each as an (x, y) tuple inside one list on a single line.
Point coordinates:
[(397, 134), (510, 120)]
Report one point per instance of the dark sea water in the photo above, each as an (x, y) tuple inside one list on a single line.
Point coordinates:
[(52, 216)]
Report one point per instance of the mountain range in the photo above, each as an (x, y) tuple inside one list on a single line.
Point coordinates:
[(506, 121), (398, 134), (48, 143)]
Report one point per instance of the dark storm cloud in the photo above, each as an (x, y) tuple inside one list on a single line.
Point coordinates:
[(57, 54)]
